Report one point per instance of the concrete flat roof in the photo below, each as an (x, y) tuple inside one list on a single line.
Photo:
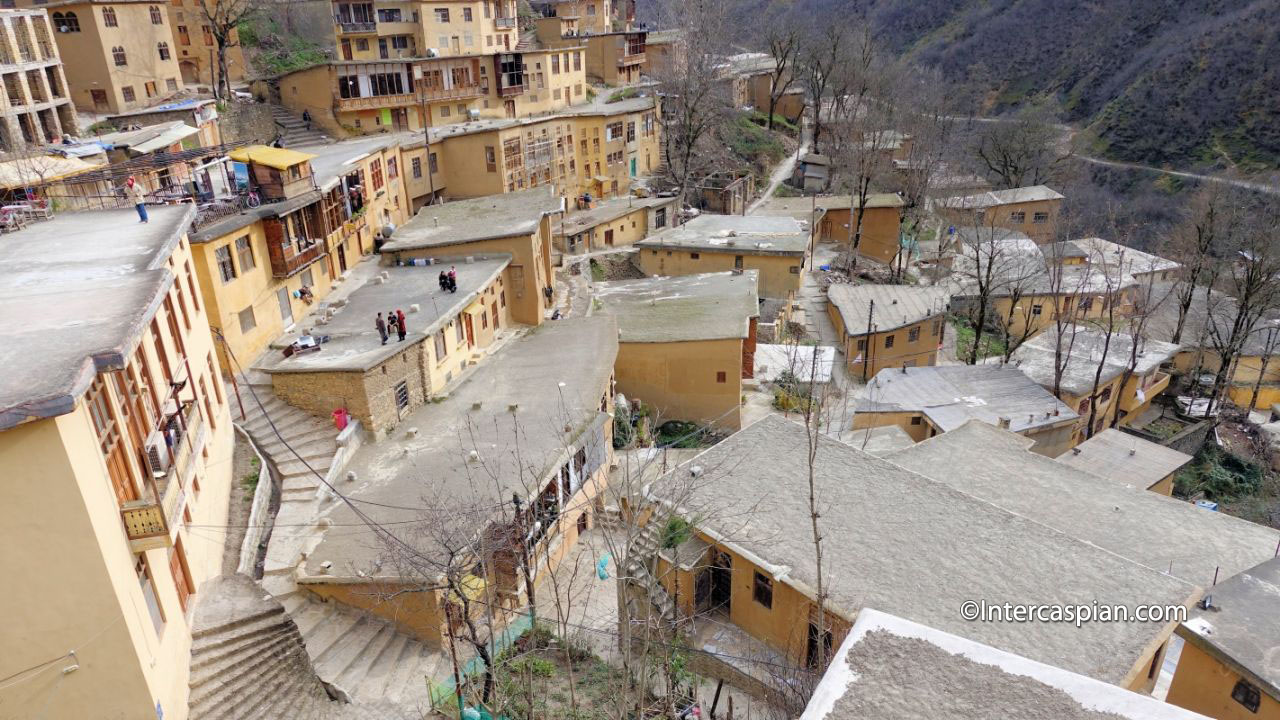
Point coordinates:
[(1205, 316), (354, 344), (803, 207), (1125, 458), (808, 363), (600, 106), (994, 198), (1170, 535), (902, 543), (553, 377), (330, 161), (1084, 345), (737, 234), (1241, 626), (710, 306), (76, 294), (485, 218), (608, 211), (895, 305), (886, 659), (952, 395)]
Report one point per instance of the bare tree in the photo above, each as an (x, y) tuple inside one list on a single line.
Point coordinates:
[(1113, 281), (823, 53), (991, 266), (782, 36), (223, 17), (1214, 219), (1023, 150), (694, 91)]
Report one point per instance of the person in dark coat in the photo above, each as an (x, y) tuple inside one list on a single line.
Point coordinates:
[(444, 280), (453, 279), (400, 329), (382, 328), (392, 322), (306, 118)]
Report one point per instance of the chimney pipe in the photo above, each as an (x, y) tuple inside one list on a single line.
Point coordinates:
[(1004, 423)]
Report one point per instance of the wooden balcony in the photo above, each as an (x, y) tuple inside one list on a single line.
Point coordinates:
[(504, 22), (289, 258), (511, 91), (1158, 382), (149, 522), (634, 59), (377, 102), (461, 92)]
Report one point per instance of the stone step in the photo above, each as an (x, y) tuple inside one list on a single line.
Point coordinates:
[(333, 631), (212, 648), (235, 683), (384, 666), (309, 619), (343, 649), (351, 678), (407, 686), (253, 653), (310, 445), (239, 622)]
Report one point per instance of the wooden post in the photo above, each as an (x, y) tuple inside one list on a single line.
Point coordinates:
[(866, 351), (716, 700)]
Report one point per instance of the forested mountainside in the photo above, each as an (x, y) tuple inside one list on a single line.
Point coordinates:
[(1178, 82)]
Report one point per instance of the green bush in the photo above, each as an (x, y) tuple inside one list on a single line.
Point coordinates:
[(1219, 475), (676, 532), (676, 433), (623, 94), (753, 144), (779, 122)]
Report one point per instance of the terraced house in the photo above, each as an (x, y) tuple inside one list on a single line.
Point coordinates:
[(116, 442), (118, 56), (320, 215), (37, 103)]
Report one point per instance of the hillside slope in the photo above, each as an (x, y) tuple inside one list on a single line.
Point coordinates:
[(1153, 81)]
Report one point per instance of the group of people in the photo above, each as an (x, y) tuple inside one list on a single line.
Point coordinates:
[(449, 280), (393, 323)]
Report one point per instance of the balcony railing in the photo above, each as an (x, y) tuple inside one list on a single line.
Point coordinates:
[(510, 91), (1158, 382), (288, 258), (149, 521), (357, 28), (633, 59), (458, 92), (504, 22), (378, 102)]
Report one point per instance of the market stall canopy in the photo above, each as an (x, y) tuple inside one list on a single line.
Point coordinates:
[(278, 158)]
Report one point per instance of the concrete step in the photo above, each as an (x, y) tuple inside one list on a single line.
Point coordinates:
[(251, 654), (384, 666), (308, 445), (343, 650), (351, 677), (333, 629), (238, 680), (214, 649), (240, 622), (309, 619)]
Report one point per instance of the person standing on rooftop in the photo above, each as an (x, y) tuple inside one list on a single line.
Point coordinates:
[(139, 197), (382, 328), (400, 329)]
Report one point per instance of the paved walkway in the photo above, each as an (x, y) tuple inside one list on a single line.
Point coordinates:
[(783, 171)]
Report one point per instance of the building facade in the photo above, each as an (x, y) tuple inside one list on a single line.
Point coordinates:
[(118, 56), (120, 478), (887, 326), (36, 105), (195, 47)]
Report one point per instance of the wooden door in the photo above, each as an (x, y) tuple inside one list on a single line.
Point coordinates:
[(181, 574), (346, 50), (608, 238), (493, 312), (471, 332), (342, 257)]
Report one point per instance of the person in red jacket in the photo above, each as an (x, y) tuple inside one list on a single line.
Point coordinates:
[(400, 324)]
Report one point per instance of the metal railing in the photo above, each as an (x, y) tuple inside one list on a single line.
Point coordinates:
[(148, 520), (504, 22), (357, 27)]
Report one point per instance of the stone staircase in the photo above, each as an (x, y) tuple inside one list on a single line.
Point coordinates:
[(366, 657), (294, 130), (639, 564), (248, 661)]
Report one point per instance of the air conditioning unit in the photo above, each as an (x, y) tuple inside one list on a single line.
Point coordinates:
[(157, 454), (473, 114), (432, 52)]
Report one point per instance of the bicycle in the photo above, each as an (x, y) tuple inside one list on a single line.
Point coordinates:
[(250, 199)]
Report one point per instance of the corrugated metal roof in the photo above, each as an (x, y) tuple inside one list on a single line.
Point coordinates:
[(895, 305)]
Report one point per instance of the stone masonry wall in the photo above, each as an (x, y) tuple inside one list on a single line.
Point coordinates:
[(244, 122)]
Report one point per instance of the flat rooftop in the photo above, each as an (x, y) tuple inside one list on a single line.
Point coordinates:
[(1242, 625), (952, 395), (600, 106), (808, 363), (895, 306), (915, 547), (331, 161), (737, 234), (1125, 458), (885, 659), (76, 293), (803, 207), (1160, 532), (1205, 317), (553, 377), (710, 306), (485, 218), (1084, 347), (993, 198), (354, 343), (608, 211)]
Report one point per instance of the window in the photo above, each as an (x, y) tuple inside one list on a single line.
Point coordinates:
[(171, 84), (577, 60), (362, 44), (348, 86), (441, 349), (247, 321), (148, 585), (1040, 218), (660, 217), (862, 344), (1037, 309), (375, 175), (163, 48), (1086, 304), (1104, 396), (445, 111), (794, 269), (631, 132), (462, 335), (117, 55), (915, 420), (433, 163), (694, 256), (309, 279), (613, 131), (402, 396), (184, 38), (150, 89), (1017, 218), (721, 377), (156, 17), (888, 341), (762, 590), (386, 84), (913, 334), (555, 64), (109, 17), (490, 159), (737, 261), (225, 266), (466, 14), (67, 23), (1247, 695), (389, 15), (208, 34), (127, 93), (577, 89), (415, 167), (393, 169), (442, 15)]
